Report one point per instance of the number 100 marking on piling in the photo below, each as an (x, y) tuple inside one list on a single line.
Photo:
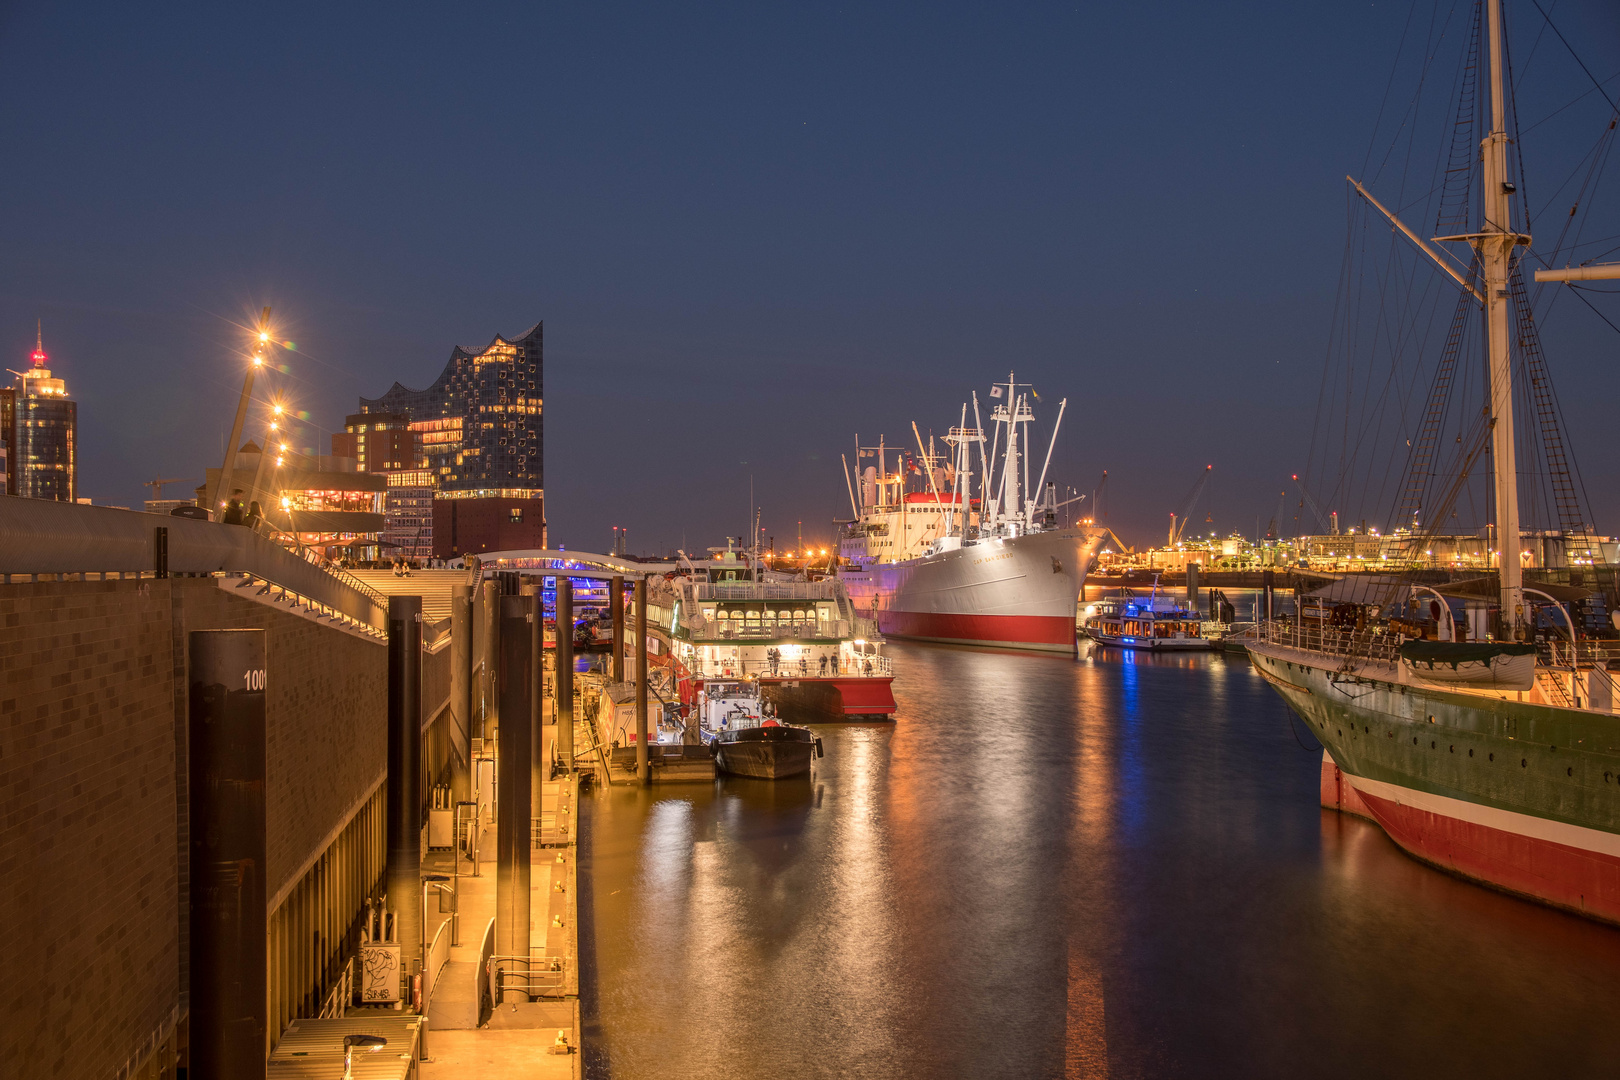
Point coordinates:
[(253, 680)]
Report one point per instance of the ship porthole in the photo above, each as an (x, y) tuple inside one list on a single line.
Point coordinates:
[(1606, 777), (1414, 740), (1431, 719), (1433, 746)]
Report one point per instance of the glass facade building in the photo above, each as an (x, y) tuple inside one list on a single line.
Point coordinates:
[(480, 424), (41, 448)]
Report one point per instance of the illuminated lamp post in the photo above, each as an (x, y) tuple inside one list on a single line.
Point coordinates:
[(369, 1043), (274, 432), (229, 468)]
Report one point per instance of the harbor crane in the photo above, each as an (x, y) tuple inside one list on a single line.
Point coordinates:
[(1328, 522), (1271, 526), (1179, 524), (157, 485)]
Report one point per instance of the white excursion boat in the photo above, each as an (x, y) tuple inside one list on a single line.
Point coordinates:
[(1157, 622)]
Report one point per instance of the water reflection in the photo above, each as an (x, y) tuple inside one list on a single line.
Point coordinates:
[(1104, 866)]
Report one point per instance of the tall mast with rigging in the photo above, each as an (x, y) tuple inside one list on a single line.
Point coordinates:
[(1495, 243)]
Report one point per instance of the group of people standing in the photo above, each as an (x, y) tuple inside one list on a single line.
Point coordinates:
[(774, 656)]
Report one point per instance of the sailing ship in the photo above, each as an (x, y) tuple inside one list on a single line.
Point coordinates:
[(940, 563), (1478, 748)]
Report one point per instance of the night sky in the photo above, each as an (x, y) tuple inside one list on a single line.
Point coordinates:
[(752, 231)]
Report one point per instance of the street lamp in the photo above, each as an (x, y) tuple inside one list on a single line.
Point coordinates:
[(371, 1043), (226, 471)]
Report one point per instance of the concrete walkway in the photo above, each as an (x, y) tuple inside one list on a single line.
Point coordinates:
[(517, 1039)]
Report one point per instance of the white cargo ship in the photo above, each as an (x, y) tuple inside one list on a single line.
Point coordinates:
[(971, 565)]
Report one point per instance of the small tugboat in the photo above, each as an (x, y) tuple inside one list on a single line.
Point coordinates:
[(1156, 623), (748, 742)]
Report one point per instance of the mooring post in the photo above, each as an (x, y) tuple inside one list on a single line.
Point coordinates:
[(404, 806), (641, 681), (461, 653), (490, 713), (616, 591), (1268, 585), (229, 922), (562, 706), (512, 819)]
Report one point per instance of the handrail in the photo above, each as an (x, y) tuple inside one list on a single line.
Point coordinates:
[(438, 955), (1365, 645), (789, 669), (338, 999), (762, 590), (38, 536), (488, 998)]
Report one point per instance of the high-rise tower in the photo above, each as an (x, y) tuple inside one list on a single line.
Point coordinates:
[(41, 428)]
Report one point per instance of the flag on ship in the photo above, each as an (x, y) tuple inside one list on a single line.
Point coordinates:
[(995, 391)]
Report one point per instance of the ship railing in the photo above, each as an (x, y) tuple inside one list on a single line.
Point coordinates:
[(743, 630), (848, 667), (1560, 652), (775, 590), (1351, 644)]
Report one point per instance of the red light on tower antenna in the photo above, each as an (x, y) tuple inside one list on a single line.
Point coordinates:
[(39, 356)]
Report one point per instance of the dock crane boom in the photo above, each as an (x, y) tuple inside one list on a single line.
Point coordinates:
[(1271, 527), (1178, 524), (157, 485), (1315, 508)]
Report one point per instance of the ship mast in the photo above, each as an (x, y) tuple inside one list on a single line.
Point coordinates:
[(1495, 243)]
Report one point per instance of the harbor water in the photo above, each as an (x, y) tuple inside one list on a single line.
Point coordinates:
[(1110, 866)]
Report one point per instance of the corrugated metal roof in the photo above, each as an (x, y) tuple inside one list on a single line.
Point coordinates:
[(314, 1047)]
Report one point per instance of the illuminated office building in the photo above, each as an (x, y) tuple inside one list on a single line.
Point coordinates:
[(41, 433)]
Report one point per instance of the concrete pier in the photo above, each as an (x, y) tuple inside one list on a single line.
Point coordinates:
[(513, 768), (461, 690), (227, 813), (404, 804)]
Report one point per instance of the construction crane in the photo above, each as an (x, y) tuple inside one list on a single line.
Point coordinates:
[(1271, 526), (157, 485), (1328, 522), (1097, 498), (1179, 523)]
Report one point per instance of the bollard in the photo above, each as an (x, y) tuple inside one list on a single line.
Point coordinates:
[(512, 820), (616, 593), (642, 770), (229, 921), (461, 659), (404, 806), (562, 704)]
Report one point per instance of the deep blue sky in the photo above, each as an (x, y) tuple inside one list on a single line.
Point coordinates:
[(752, 231)]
